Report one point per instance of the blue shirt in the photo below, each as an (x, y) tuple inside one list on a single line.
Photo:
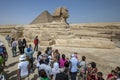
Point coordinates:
[(74, 63)]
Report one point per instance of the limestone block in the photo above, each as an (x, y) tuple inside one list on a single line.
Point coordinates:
[(85, 43), (47, 43)]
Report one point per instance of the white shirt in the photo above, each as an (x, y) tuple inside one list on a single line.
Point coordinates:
[(47, 68), (23, 66), (55, 69), (14, 44), (83, 65)]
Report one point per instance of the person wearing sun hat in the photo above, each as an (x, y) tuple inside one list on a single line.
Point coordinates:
[(23, 67), (73, 67)]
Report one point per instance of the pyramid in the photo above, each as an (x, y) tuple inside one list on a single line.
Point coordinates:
[(44, 17)]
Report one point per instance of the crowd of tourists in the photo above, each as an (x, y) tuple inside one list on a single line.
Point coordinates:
[(51, 65)]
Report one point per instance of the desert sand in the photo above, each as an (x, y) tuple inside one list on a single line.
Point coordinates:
[(106, 59)]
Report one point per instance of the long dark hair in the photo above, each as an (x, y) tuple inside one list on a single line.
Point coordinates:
[(39, 53), (83, 58), (63, 57)]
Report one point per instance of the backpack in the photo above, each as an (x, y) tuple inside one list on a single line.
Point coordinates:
[(20, 43), (66, 64), (28, 49), (1, 50)]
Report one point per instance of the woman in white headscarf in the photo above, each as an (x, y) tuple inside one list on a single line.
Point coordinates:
[(55, 69)]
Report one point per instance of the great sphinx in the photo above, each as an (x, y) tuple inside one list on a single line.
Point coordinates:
[(60, 15)]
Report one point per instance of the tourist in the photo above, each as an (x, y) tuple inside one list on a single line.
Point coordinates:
[(56, 54), (92, 71), (62, 61), (43, 75), (23, 68), (99, 76), (55, 70), (14, 46), (76, 54), (24, 43), (43, 64), (73, 67), (62, 75), (8, 38), (4, 53), (1, 63), (50, 51), (12, 39), (2, 77), (39, 56), (46, 51), (29, 53), (117, 69), (118, 76), (112, 75), (36, 42), (20, 46), (82, 68)]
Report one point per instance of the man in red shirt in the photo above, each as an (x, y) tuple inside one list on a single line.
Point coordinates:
[(36, 41)]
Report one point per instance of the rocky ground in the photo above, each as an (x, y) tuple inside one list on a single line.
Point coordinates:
[(106, 59)]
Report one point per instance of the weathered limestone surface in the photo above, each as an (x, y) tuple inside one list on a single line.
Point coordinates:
[(15, 31), (85, 43), (73, 35)]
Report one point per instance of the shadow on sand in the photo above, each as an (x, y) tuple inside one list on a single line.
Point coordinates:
[(11, 76), (35, 77), (12, 64)]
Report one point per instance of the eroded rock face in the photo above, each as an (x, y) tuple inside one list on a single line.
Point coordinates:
[(61, 14), (17, 32)]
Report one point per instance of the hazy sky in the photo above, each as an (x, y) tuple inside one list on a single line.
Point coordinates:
[(81, 11)]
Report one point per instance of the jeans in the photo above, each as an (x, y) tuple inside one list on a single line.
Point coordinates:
[(14, 51), (36, 48), (73, 75)]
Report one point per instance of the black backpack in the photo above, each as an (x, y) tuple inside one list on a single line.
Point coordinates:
[(66, 64)]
